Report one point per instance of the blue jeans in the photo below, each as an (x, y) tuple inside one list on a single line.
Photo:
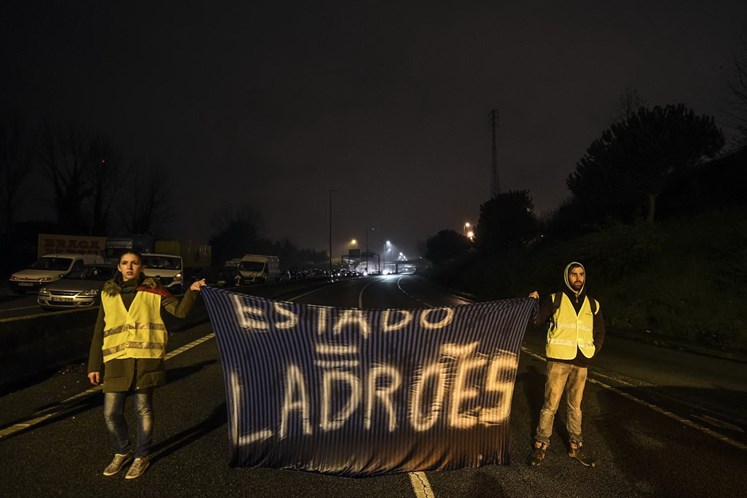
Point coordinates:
[(571, 379), (116, 424)]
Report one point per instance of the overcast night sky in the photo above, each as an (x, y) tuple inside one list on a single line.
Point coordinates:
[(273, 103)]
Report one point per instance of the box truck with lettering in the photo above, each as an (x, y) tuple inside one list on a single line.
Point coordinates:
[(48, 243), (259, 268)]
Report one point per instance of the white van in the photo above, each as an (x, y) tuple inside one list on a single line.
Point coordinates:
[(167, 269), (259, 268), (49, 268)]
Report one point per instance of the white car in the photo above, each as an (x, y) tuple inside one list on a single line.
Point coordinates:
[(167, 269), (49, 268), (79, 289)]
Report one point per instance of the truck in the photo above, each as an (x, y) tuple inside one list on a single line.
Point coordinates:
[(118, 244), (194, 255), (259, 268), (70, 244)]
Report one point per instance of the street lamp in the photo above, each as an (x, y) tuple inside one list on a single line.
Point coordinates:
[(387, 249), (468, 232), (367, 255)]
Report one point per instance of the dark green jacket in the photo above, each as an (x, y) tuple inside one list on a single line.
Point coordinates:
[(133, 373)]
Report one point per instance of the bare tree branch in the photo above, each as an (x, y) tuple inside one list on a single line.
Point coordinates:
[(15, 164)]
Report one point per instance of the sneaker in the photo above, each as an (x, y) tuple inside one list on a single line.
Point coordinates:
[(578, 452), (138, 468), (539, 450), (118, 462)]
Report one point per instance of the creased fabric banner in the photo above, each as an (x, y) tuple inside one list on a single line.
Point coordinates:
[(365, 392)]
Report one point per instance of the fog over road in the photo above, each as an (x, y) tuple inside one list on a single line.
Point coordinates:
[(659, 422)]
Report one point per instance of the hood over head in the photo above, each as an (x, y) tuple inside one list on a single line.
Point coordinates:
[(569, 266)]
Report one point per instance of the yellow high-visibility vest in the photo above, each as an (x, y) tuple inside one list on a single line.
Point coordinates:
[(569, 331), (135, 333)]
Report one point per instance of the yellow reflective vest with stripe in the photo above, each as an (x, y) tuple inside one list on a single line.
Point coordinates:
[(137, 332), (569, 331)]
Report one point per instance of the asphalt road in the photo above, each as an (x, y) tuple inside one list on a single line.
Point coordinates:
[(659, 422)]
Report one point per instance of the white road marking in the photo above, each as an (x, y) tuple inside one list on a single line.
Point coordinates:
[(656, 408), (51, 412), (360, 294), (46, 313), (418, 480), (21, 308), (308, 293), (421, 485)]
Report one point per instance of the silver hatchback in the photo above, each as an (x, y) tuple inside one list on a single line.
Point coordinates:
[(79, 289)]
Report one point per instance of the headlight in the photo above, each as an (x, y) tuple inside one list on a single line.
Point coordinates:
[(90, 292), (178, 277), (43, 291), (45, 279), (13, 278)]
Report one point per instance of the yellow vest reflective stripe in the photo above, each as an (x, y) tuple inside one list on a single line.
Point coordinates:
[(569, 331), (135, 333)]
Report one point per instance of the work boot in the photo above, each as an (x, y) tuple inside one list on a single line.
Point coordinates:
[(138, 468), (578, 452), (539, 449), (119, 461)]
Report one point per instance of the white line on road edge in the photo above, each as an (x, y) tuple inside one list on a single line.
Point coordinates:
[(21, 308), (657, 409), (360, 295), (21, 426), (421, 485)]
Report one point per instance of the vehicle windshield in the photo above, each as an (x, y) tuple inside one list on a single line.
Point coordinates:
[(251, 266), (162, 262), (99, 273), (54, 264)]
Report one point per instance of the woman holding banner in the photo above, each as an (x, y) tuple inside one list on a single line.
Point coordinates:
[(129, 341)]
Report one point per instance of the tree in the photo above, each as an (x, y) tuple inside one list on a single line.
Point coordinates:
[(626, 169), (737, 81), (446, 246), (104, 179), (64, 159), (83, 171), (236, 233), (506, 221), (15, 164), (147, 199), (630, 103)]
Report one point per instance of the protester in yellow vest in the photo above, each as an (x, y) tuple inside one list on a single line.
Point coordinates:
[(129, 342), (574, 336)]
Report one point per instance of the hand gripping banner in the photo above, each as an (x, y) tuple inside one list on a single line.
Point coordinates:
[(365, 392)]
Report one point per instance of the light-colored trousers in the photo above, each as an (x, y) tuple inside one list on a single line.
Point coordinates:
[(571, 379)]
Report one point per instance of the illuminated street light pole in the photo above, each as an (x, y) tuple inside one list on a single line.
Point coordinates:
[(367, 255), (330, 230), (387, 248)]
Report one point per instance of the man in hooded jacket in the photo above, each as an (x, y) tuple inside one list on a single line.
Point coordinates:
[(575, 335)]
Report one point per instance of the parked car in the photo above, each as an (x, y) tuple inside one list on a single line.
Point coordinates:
[(79, 289), (50, 268), (167, 269)]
